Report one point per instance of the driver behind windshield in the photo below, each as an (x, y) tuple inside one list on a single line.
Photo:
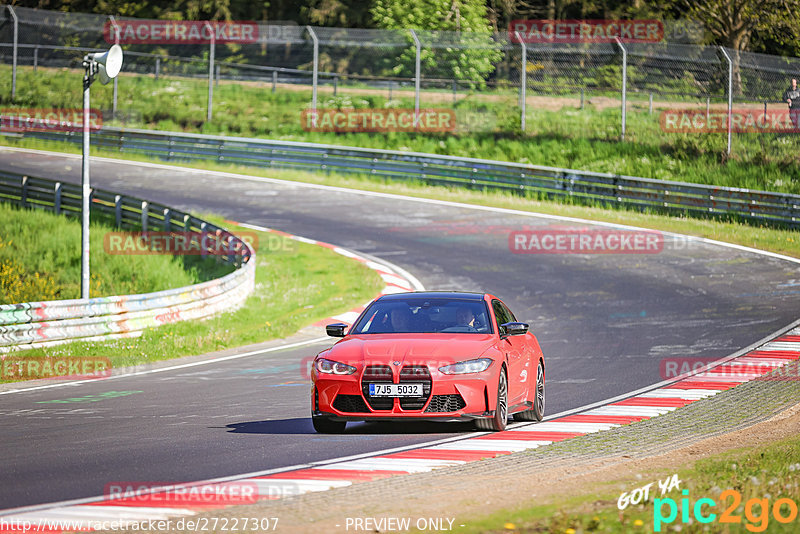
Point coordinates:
[(400, 319), (464, 317)]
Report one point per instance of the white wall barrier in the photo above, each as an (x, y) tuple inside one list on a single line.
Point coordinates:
[(34, 324)]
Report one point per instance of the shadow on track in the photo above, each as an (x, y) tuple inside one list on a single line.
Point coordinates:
[(302, 425)]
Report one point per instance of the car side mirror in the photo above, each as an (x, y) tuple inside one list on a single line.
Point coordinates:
[(336, 329), (514, 329)]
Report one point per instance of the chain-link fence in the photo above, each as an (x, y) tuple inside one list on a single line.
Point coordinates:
[(492, 83)]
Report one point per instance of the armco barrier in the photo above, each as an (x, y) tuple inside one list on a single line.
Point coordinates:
[(34, 324), (580, 186)]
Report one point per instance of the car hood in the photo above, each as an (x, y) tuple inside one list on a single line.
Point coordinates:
[(411, 349)]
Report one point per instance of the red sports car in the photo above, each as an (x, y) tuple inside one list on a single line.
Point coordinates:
[(429, 355)]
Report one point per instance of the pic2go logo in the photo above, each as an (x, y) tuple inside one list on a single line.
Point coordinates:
[(756, 511)]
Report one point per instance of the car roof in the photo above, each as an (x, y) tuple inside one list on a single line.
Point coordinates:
[(454, 295)]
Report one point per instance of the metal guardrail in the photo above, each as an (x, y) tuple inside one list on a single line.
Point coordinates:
[(547, 182), (35, 324)]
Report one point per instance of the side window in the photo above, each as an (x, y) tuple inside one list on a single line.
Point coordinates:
[(501, 313), (511, 317)]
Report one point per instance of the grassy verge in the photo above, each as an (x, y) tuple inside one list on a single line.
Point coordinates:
[(487, 126), (296, 284), (40, 260), (761, 237), (765, 473)]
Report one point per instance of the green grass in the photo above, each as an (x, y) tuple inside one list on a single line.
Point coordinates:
[(296, 285), (764, 472), (488, 127), (38, 245)]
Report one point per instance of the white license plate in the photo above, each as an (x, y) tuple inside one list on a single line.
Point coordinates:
[(395, 390)]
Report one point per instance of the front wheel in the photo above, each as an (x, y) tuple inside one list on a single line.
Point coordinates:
[(323, 425), (537, 412), (500, 419)]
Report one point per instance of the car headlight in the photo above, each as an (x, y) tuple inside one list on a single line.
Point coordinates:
[(333, 368), (469, 366)]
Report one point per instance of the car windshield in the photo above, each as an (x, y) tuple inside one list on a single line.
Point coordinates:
[(425, 315)]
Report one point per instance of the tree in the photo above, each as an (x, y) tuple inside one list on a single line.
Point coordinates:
[(456, 35), (341, 13), (734, 23)]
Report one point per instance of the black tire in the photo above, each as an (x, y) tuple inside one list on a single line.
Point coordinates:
[(500, 419), (536, 413), (323, 425)]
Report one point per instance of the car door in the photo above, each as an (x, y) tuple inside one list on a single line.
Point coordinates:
[(514, 349)]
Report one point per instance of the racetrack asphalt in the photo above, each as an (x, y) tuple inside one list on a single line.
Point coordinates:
[(605, 323)]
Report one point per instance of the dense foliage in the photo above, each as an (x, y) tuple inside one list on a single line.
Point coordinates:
[(769, 26)]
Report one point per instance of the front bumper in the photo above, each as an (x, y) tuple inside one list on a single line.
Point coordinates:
[(449, 397)]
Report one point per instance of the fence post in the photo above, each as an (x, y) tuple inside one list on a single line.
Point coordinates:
[(651, 104), (314, 74), (581, 97), (116, 78), (36, 58), (335, 85), (118, 210), (730, 94), (416, 77), (203, 237), (24, 192), (158, 67), (57, 201), (523, 83), (274, 80), (167, 222), (624, 83), (145, 215), (211, 47), (14, 53)]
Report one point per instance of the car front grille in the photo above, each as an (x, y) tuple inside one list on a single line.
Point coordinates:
[(383, 374), (446, 403), (374, 374), (415, 374), (350, 404)]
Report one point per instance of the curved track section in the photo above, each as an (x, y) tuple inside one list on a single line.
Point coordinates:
[(605, 322)]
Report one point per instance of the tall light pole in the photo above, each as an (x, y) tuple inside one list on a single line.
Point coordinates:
[(106, 65)]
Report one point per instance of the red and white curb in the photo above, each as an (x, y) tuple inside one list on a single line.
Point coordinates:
[(321, 476)]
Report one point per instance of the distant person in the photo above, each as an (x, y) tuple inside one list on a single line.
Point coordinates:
[(792, 97)]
